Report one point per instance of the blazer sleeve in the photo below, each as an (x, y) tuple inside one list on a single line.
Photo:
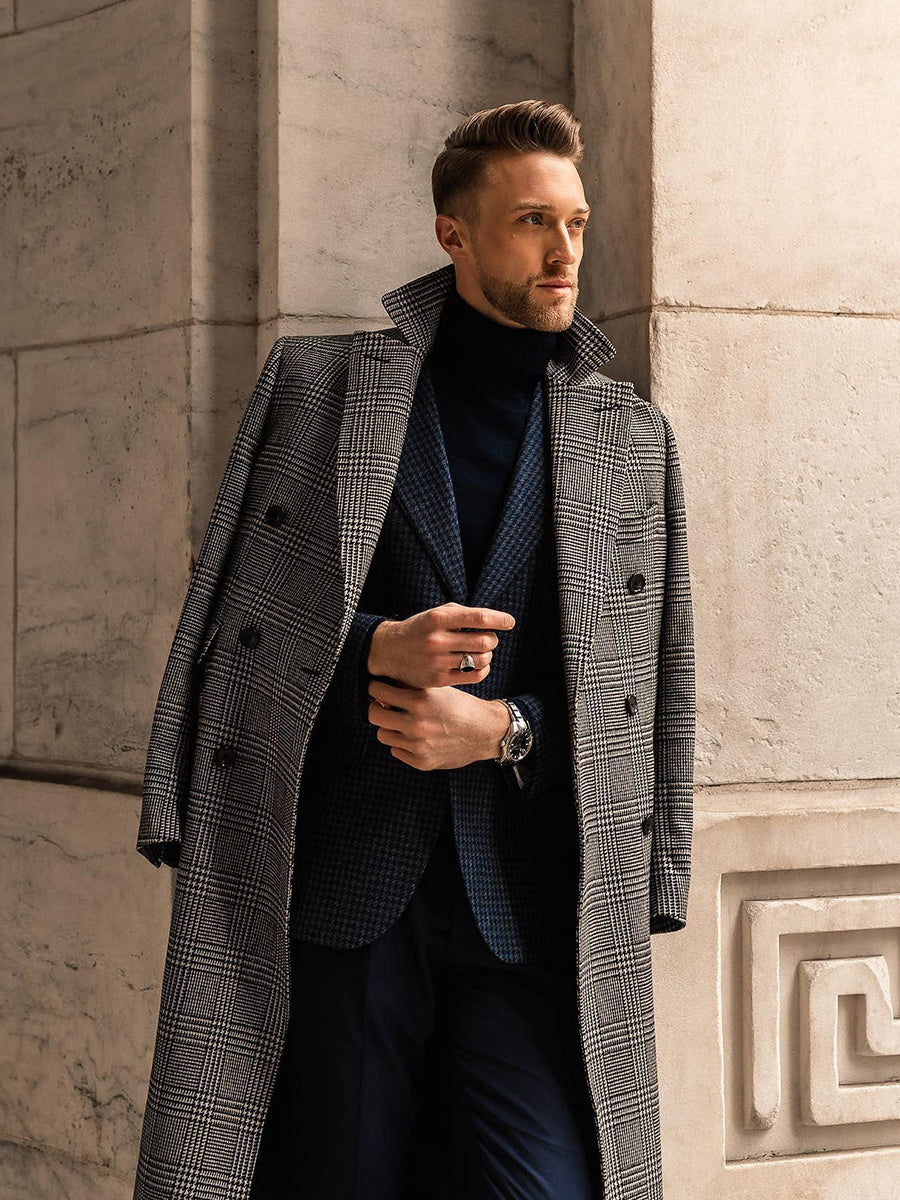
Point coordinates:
[(170, 752), (348, 688), (549, 758), (675, 717)]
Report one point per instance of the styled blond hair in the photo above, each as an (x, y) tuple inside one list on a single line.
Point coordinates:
[(527, 125)]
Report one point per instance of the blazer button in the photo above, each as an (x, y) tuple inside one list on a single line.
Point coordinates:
[(636, 583), (249, 636), (225, 755), (275, 514), (647, 823), (631, 703)]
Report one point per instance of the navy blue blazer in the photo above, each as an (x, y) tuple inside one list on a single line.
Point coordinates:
[(368, 822)]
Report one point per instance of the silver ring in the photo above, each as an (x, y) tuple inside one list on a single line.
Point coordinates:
[(467, 663)]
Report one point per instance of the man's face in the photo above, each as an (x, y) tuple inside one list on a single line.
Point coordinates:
[(531, 214)]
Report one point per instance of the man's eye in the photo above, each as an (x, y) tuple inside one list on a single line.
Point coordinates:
[(579, 221)]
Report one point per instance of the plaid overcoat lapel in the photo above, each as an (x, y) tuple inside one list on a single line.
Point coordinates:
[(424, 490)]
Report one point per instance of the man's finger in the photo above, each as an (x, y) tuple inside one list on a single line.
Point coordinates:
[(394, 695), (479, 619), (394, 683)]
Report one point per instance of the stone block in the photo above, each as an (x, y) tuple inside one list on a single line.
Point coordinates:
[(776, 131), (83, 945), (361, 118), (792, 887), (97, 169), (789, 440), (103, 543)]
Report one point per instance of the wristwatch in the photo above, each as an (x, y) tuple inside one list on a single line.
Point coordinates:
[(518, 739)]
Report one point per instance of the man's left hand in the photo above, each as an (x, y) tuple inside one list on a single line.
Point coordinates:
[(439, 727)]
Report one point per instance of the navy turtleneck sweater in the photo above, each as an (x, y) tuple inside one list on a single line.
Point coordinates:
[(484, 375)]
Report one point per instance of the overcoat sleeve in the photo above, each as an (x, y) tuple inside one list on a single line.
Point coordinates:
[(170, 752), (675, 718)]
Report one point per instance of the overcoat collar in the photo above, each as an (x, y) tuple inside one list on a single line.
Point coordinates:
[(415, 308), (588, 424)]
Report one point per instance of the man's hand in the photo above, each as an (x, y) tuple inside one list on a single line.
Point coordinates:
[(424, 650), (440, 727)]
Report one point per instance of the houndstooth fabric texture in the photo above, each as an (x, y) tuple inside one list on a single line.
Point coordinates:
[(270, 606)]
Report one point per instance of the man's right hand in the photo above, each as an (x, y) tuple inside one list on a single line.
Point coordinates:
[(424, 650)]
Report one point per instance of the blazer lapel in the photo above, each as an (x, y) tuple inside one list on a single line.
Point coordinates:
[(520, 523), (424, 489)]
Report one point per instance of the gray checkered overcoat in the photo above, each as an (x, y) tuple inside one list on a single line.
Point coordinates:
[(288, 546)]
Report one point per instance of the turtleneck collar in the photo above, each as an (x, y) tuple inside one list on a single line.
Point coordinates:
[(471, 346)]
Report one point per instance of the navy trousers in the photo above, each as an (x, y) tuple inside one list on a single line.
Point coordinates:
[(421, 1066)]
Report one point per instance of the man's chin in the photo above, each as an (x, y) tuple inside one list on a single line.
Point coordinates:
[(554, 316)]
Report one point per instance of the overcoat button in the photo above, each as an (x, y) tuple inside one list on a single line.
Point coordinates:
[(224, 755), (249, 636), (647, 823), (636, 583), (631, 703), (275, 514)]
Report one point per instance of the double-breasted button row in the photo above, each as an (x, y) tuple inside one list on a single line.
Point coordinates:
[(647, 823), (636, 582), (224, 756)]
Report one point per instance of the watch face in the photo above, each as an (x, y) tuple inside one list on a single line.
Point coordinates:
[(519, 745)]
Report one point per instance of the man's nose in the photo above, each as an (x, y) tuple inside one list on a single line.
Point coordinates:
[(565, 251)]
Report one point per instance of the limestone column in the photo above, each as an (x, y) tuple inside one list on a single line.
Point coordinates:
[(745, 263)]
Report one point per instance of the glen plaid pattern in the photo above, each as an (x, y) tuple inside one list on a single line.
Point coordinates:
[(268, 610), (367, 821)]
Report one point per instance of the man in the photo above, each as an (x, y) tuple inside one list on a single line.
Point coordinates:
[(424, 744)]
